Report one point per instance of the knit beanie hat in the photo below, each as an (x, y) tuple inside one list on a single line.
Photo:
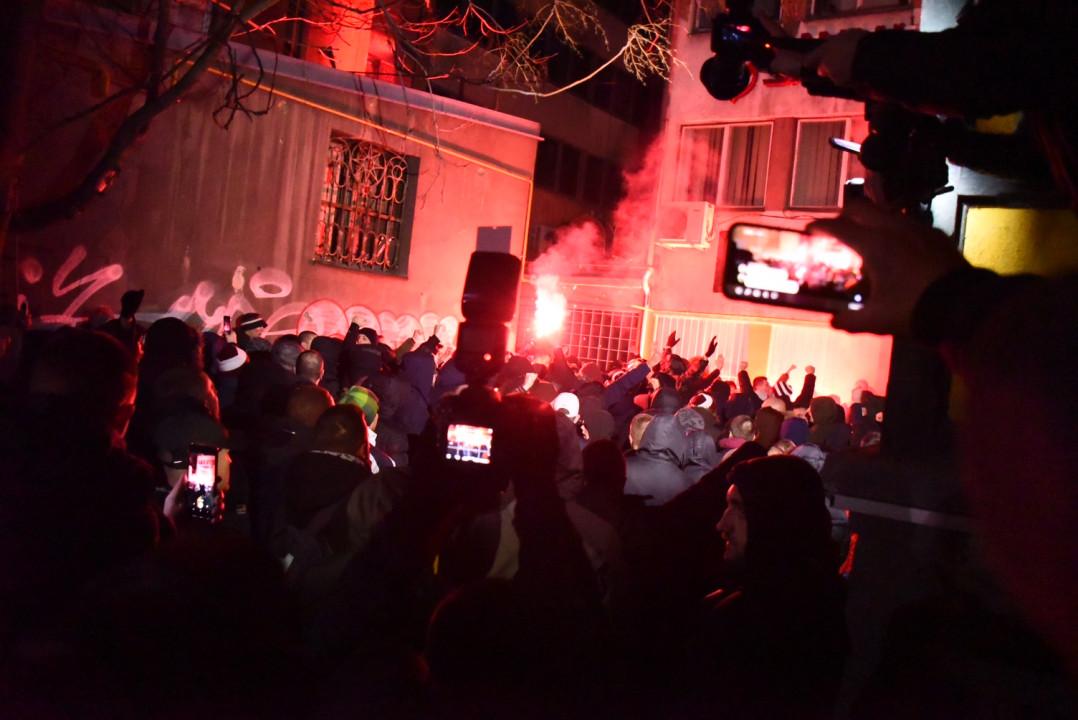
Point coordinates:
[(362, 398), (249, 321), (230, 357)]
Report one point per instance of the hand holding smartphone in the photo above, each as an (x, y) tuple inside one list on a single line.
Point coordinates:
[(204, 499), (792, 268)]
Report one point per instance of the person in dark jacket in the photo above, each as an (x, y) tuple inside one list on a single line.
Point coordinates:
[(828, 430), (330, 350), (327, 474), (618, 398), (776, 630), (654, 472), (361, 356)]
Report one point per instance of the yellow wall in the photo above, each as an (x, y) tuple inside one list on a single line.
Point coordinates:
[(1012, 240)]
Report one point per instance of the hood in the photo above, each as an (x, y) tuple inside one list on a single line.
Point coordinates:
[(702, 451), (663, 436), (768, 424), (825, 411), (665, 400), (789, 527)]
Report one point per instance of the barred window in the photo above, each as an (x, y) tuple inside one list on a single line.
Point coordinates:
[(604, 337), (368, 200)]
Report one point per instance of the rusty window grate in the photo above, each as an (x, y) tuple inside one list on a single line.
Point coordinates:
[(368, 199), (604, 337)]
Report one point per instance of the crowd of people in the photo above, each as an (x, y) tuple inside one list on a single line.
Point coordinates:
[(655, 529)]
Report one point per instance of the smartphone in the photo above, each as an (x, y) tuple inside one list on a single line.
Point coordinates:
[(226, 325), (792, 268), (202, 500), (469, 443)]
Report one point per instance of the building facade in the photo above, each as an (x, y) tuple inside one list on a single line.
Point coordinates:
[(347, 199)]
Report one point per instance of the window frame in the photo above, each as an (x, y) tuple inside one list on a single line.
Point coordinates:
[(860, 9), (843, 172), (724, 163), (406, 221)]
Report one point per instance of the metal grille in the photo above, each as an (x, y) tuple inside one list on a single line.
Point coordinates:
[(366, 208), (604, 337)]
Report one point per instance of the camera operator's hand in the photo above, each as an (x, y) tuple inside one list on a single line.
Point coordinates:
[(833, 59), (901, 259)]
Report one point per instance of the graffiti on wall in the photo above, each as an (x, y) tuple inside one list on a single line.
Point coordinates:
[(324, 316)]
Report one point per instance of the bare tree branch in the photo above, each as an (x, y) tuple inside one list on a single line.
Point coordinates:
[(100, 176)]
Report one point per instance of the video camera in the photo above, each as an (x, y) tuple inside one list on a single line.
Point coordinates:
[(907, 151), (467, 424)]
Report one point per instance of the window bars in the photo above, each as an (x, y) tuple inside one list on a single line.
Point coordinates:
[(367, 203), (604, 337)]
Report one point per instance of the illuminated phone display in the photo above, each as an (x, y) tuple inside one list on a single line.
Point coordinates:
[(792, 268), (469, 443), (202, 470)]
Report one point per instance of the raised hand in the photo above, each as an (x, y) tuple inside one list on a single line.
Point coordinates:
[(672, 339), (712, 346)]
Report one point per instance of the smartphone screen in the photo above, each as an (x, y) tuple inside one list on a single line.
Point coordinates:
[(202, 481), (469, 443), (792, 268), (226, 325)]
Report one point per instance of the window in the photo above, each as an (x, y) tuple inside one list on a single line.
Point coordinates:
[(747, 154), (702, 12), (827, 8), (818, 166), (604, 337), (698, 164), (367, 203)]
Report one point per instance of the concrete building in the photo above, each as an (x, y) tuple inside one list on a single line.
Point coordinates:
[(343, 201), (763, 159)]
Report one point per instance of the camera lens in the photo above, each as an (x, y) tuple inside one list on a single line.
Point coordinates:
[(725, 80)]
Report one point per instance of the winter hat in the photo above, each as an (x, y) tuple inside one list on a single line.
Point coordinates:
[(249, 321), (591, 372), (599, 422), (568, 403), (364, 399), (795, 429), (702, 400), (230, 357), (175, 433), (370, 334)]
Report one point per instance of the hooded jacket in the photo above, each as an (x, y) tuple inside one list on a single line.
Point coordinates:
[(655, 470), (779, 636), (828, 431)]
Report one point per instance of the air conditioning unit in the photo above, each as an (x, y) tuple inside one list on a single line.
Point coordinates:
[(686, 225)]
